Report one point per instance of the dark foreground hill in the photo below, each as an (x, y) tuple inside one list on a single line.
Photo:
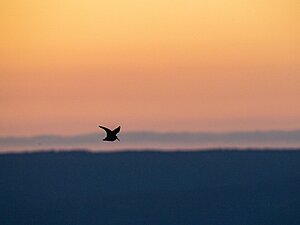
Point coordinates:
[(151, 188)]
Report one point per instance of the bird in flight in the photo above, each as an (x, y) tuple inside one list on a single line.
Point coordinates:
[(111, 135)]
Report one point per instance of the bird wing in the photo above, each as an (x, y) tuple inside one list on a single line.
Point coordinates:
[(117, 130), (108, 131)]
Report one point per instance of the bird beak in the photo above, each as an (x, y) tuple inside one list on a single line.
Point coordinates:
[(118, 139)]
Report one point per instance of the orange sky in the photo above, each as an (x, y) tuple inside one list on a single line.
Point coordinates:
[(164, 65)]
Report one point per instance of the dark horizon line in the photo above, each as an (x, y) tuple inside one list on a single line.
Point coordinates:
[(153, 151)]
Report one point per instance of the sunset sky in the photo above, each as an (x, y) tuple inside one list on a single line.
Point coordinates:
[(67, 66)]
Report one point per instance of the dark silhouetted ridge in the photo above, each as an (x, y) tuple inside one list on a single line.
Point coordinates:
[(134, 188)]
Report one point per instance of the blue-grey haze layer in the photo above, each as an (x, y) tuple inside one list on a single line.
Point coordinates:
[(166, 140)]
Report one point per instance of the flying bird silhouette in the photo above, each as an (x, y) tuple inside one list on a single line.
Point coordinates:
[(111, 135)]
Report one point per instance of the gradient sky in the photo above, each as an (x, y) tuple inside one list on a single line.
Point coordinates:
[(163, 65)]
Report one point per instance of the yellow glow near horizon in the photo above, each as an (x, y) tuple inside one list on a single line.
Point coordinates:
[(159, 65)]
